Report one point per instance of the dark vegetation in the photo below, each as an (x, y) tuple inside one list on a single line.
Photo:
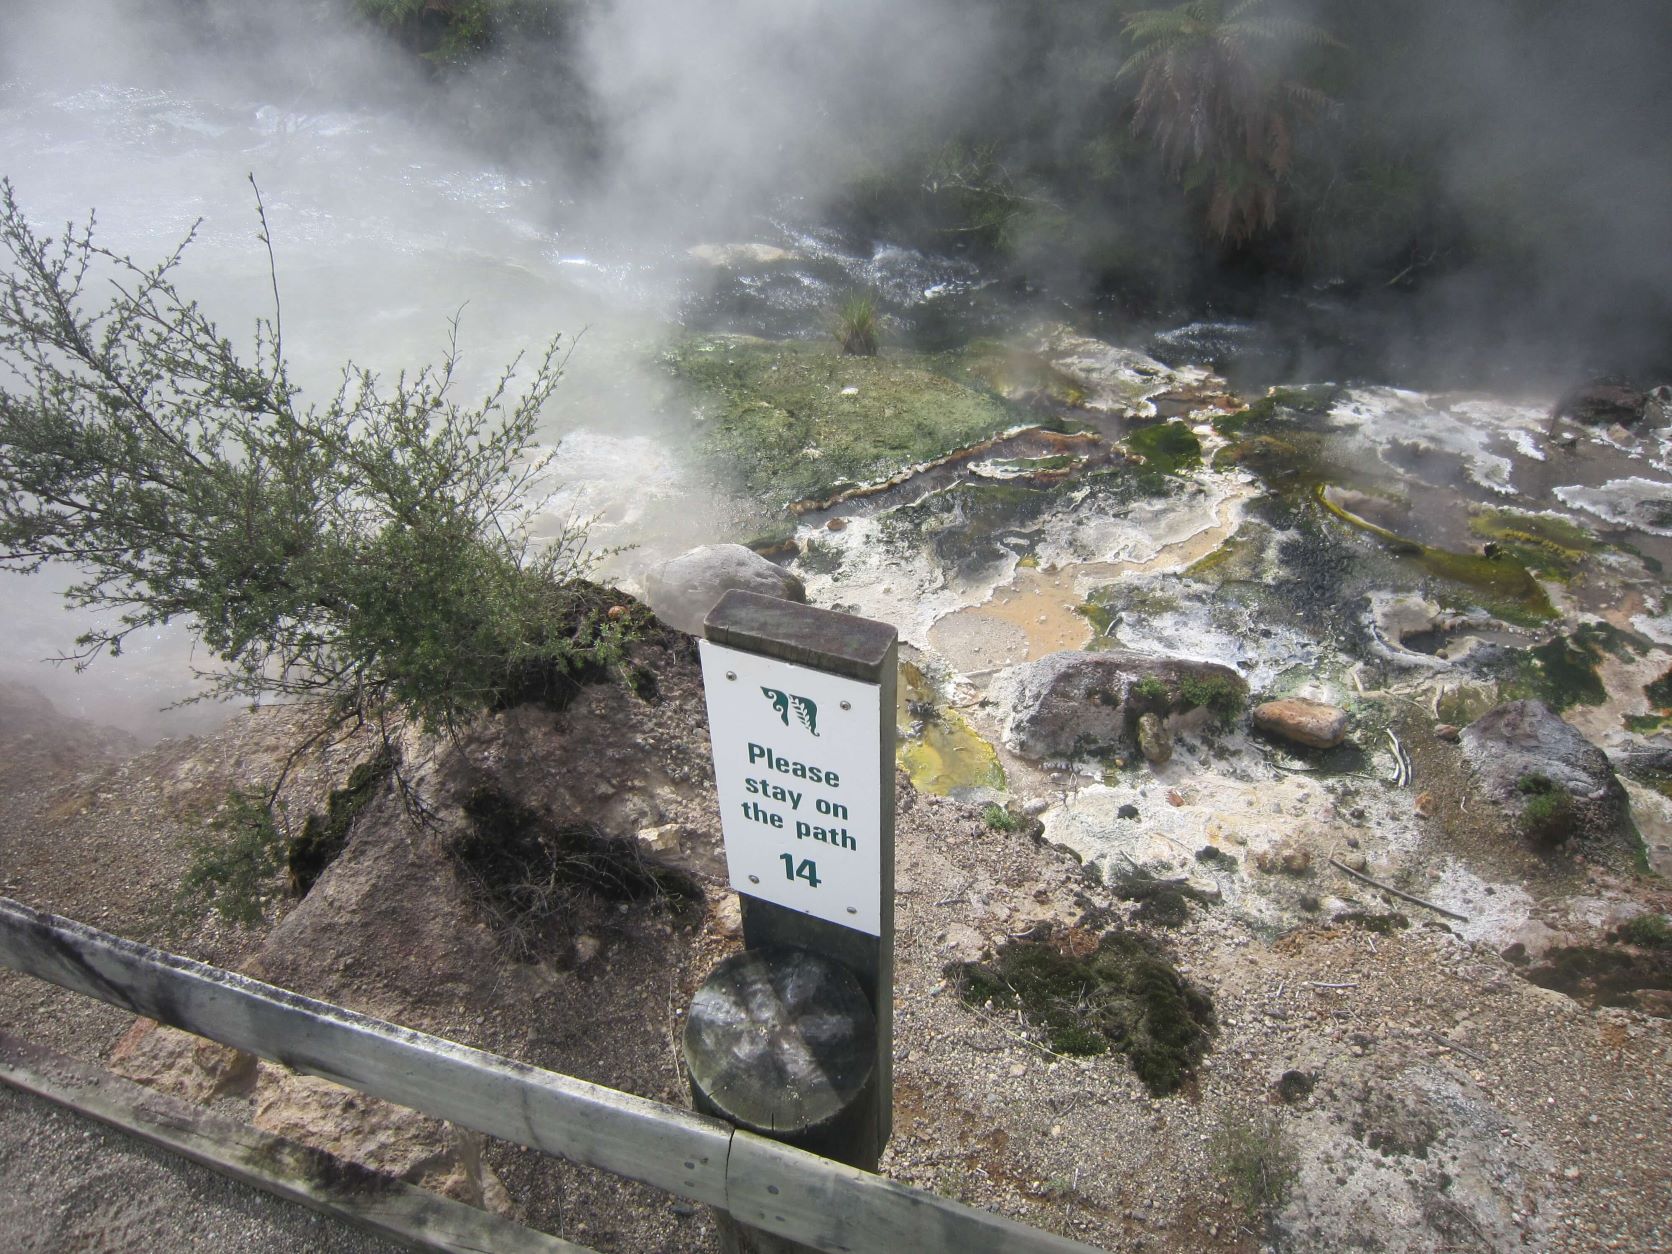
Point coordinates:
[(1161, 902), (1124, 995), (1505, 155), (533, 875), (324, 836), (1547, 814)]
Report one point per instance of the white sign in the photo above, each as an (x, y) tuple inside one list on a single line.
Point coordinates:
[(796, 765)]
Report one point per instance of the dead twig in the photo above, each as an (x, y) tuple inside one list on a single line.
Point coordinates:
[(1442, 1039), (1397, 892), (1321, 984)]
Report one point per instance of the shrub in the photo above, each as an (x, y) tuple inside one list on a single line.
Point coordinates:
[(1547, 815), (857, 325), (234, 867), (370, 550), (998, 818), (1253, 1159)]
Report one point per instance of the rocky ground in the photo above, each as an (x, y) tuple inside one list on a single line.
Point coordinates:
[(1407, 1088), (1184, 962)]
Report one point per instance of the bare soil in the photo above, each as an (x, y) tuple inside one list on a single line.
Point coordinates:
[(1443, 1101)]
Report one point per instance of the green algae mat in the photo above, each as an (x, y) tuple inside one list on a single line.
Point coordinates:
[(794, 421)]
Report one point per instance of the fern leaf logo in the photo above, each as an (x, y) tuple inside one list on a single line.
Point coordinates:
[(806, 712)]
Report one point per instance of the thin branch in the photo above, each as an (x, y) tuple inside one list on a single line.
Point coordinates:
[(1397, 892)]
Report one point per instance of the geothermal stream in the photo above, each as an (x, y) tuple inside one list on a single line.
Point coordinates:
[(381, 232)]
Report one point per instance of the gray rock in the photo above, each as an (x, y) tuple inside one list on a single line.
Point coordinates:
[(1509, 748), (683, 590), (1310, 723), (1072, 704), (1154, 740)]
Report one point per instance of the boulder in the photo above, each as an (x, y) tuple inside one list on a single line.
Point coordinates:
[(386, 1138), (684, 589), (177, 1062), (1604, 402), (1073, 704), (1554, 782), (1310, 723)]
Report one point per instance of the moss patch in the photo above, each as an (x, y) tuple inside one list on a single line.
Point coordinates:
[(1563, 672), (777, 423), (1017, 375), (1169, 447), (324, 836), (1551, 547), (1502, 584), (1162, 903), (1547, 814), (1650, 931), (1224, 695), (1124, 996)]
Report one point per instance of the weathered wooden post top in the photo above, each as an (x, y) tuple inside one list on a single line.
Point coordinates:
[(794, 1037)]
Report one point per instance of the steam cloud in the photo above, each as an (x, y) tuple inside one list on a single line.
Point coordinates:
[(666, 122)]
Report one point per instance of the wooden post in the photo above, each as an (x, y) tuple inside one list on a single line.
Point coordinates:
[(801, 711), (783, 1042)]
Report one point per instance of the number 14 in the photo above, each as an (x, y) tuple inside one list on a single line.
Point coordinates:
[(808, 870)]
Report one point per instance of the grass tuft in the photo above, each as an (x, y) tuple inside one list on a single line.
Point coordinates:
[(857, 325)]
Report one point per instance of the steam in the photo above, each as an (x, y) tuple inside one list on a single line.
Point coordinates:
[(555, 189)]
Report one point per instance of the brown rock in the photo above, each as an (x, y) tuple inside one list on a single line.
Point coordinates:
[(1447, 731), (1154, 739), (1285, 859), (379, 1135), (1310, 723), (177, 1062)]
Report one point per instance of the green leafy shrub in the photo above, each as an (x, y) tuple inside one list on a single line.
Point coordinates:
[(234, 866), (998, 818), (370, 550)]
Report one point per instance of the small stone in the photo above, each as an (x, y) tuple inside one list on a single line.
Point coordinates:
[(1310, 723), (836, 524), (1127, 811), (1447, 731), (1174, 797), (1154, 740), (1285, 859), (586, 949), (1425, 805)]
